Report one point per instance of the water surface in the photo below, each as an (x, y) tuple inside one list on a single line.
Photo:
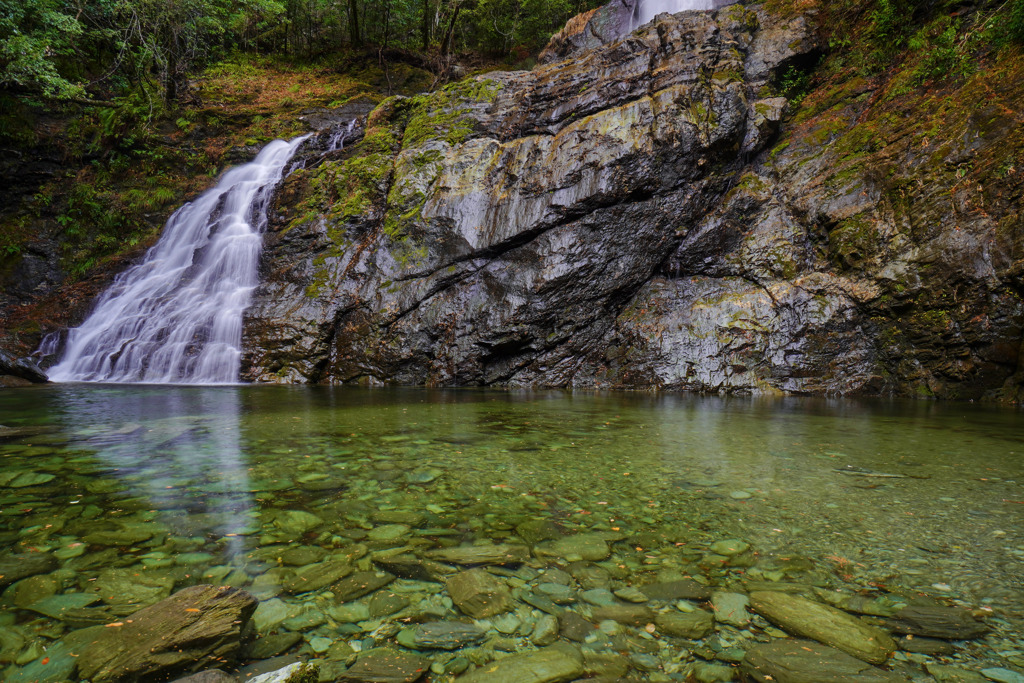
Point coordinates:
[(190, 482)]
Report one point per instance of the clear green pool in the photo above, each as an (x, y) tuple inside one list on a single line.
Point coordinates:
[(179, 483)]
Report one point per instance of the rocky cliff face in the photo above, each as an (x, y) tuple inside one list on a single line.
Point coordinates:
[(494, 231), (616, 219)]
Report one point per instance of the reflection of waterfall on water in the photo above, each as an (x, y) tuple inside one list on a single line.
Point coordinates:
[(177, 316), (177, 449), (648, 9)]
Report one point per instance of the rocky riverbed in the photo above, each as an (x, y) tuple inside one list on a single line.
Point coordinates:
[(487, 537)]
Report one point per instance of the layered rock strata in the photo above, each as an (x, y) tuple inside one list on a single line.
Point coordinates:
[(501, 230)]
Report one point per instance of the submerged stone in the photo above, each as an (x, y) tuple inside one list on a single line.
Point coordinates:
[(209, 676), (713, 673), (15, 567), (198, 627), (482, 554), (952, 623), (731, 608), (35, 588), (554, 664), (636, 615), (728, 547), (545, 631), (131, 587), (57, 664), (270, 613), (683, 589), (273, 645), (359, 584), (953, 674), (389, 532), (805, 661), (26, 479), (1002, 675), (809, 619), (316, 576), (925, 646), (385, 665), (56, 606), (694, 625), (478, 593), (442, 635), (590, 547), (294, 523)]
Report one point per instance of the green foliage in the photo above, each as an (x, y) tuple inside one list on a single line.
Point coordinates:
[(35, 38), (941, 54), (1014, 28), (1006, 25), (518, 27), (794, 84)]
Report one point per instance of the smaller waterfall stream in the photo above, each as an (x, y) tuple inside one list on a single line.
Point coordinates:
[(177, 316), (648, 9)]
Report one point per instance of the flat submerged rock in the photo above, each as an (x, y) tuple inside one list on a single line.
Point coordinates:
[(805, 661), (198, 627), (809, 619), (553, 664)]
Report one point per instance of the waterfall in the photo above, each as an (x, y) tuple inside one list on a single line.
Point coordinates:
[(177, 316), (648, 9)]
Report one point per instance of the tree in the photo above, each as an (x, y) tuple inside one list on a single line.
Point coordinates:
[(35, 37)]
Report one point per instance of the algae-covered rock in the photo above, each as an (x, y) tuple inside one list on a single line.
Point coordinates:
[(809, 619), (479, 594), (197, 627), (442, 635), (316, 576), (694, 625), (804, 661), (359, 584), (385, 665), (482, 554), (590, 547), (953, 623), (553, 664), (19, 566)]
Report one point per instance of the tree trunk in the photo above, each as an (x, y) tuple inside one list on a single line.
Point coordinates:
[(425, 28), (446, 44), (353, 24)]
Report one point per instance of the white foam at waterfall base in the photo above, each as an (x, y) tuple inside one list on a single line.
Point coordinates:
[(648, 9), (177, 316)]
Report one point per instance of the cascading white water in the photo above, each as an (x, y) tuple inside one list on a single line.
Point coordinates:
[(177, 316), (648, 9)]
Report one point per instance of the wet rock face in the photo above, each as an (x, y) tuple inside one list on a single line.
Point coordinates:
[(615, 218), (492, 232), (598, 27), (590, 30), (20, 368)]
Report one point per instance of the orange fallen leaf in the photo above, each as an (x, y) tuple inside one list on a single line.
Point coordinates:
[(191, 609)]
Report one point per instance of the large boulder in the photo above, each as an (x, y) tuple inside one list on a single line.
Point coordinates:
[(809, 619), (201, 627), (23, 368)]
